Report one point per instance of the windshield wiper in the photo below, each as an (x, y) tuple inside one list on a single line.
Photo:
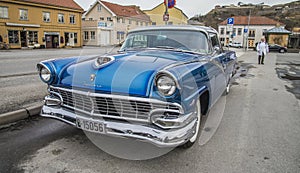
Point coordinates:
[(178, 49), (133, 48), (165, 47)]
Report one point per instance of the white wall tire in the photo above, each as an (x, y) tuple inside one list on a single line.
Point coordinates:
[(197, 133)]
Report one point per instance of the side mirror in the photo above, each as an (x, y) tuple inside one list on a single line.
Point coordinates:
[(217, 50)]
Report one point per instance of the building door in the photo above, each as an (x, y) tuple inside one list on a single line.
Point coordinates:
[(48, 41), (71, 39), (55, 41), (23, 35), (105, 38), (251, 43)]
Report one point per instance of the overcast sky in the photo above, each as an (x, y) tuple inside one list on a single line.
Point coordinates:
[(189, 7)]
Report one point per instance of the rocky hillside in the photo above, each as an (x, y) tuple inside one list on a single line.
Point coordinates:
[(288, 14)]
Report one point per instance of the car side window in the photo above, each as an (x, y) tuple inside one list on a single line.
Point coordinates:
[(214, 40)]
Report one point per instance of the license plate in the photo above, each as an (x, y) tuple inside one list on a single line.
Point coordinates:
[(91, 126)]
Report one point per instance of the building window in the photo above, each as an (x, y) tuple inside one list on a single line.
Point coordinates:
[(90, 19), (86, 35), (72, 19), (3, 12), (234, 31), (23, 14), (251, 33), (120, 35), (214, 40), (147, 24), (33, 36), (93, 35), (222, 31), (61, 18), (118, 19), (101, 18), (99, 7), (153, 23), (264, 31), (108, 19), (13, 37), (130, 22), (227, 32), (123, 20), (46, 16), (142, 24), (239, 31), (137, 23), (75, 38)]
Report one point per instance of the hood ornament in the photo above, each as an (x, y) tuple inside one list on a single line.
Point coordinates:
[(92, 77), (103, 61)]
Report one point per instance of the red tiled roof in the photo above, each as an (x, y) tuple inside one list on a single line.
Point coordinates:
[(254, 20), (127, 11), (59, 3)]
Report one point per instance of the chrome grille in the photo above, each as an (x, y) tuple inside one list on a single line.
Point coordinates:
[(107, 106)]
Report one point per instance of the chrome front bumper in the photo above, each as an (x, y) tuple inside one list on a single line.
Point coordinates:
[(145, 132)]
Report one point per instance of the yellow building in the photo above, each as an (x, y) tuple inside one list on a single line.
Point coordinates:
[(176, 15), (50, 24)]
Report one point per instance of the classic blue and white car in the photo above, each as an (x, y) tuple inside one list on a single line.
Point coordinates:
[(155, 89)]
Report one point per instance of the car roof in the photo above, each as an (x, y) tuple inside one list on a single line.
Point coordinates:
[(176, 27)]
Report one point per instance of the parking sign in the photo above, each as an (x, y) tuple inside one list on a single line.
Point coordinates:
[(230, 21)]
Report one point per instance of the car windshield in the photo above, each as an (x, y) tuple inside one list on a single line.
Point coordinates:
[(183, 40)]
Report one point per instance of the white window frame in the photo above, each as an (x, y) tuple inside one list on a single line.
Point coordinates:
[(99, 7), (72, 19), (23, 14), (85, 35), (93, 35), (61, 18), (14, 38), (3, 12), (48, 19)]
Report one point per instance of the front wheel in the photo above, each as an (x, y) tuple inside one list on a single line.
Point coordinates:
[(197, 132), (281, 51)]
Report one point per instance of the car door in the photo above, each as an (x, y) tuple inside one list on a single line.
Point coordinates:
[(218, 68)]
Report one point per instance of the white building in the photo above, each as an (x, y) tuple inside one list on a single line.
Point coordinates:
[(106, 23), (244, 27)]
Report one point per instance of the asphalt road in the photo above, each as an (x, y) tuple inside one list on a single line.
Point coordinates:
[(20, 85), (259, 132)]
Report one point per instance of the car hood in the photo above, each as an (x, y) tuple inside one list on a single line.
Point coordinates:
[(129, 74)]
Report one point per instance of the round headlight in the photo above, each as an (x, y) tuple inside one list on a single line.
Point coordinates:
[(166, 85), (45, 74)]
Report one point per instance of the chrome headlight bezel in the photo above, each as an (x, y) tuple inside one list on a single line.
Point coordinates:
[(45, 73), (166, 84)]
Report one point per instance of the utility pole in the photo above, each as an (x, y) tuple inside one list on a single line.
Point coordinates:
[(166, 12), (246, 48)]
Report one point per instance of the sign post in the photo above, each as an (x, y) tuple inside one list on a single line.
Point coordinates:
[(230, 22), (166, 17), (168, 4)]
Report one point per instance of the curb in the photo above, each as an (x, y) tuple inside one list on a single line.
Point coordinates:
[(11, 117)]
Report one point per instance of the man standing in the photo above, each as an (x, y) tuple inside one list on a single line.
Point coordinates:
[(262, 50)]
